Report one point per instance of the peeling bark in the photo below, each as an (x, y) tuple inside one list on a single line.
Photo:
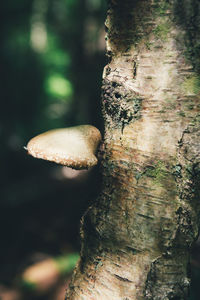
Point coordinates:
[(137, 235)]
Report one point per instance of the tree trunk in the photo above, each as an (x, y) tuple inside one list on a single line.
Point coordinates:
[(137, 235)]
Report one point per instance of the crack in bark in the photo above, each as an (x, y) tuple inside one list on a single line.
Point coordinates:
[(122, 278)]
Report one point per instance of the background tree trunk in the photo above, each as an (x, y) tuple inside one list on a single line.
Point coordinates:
[(137, 235)]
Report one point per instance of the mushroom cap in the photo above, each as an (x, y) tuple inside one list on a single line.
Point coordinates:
[(74, 147)]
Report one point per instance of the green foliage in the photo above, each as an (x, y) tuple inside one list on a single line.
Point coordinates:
[(49, 80), (55, 57), (18, 41), (67, 263), (27, 285), (58, 86)]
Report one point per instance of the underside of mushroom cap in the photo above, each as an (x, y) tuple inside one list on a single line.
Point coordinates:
[(74, 147)]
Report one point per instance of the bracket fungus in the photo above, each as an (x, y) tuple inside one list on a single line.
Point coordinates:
[(74, 147)]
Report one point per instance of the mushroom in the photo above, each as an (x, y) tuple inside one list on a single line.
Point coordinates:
[(73, 147)]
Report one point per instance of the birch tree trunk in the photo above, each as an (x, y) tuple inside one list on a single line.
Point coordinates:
[(136, 237)]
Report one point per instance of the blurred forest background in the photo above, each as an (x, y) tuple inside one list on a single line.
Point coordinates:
[(51, 59), (52, 56)]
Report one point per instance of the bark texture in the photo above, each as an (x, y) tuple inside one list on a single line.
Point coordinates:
[(137, 235)]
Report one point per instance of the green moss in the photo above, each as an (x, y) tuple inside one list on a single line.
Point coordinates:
[(196, 121), (158, 172), (192, 85), (161, 7), (170, 103), (161, 31), (148, 45), (190, 107), (181, 113)]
